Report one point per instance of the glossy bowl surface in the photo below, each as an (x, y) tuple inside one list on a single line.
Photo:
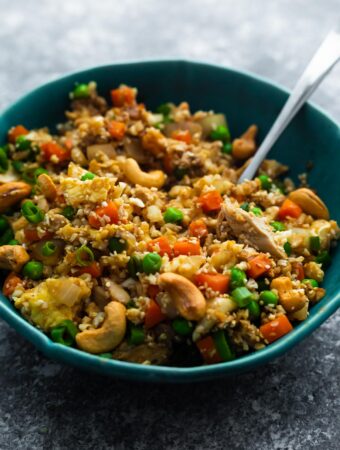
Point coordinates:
[(245, 99)]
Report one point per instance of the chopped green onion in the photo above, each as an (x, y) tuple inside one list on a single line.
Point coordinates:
[(222, 346), (164, 109), (4, 164), (269, 298), (81, 91), (242, 296), (7, 236), (31, 212), (105, 355), (13, 242), (314, 243), (266, 182), (134, 266), (238, 278), (287, 248), (33, 270), (151, 263), (69, 212), (136, 336), (38, 172), (278, 226), (49, 248), (257, 211), (173, 215), (17, 166), (22, 143), (84, 256), (324, 258), (310, 281), (245, 206), (64, 333), (3, 224), (28, 175), (182, 326), (227, 148), (220, 133), (117, 245), (254, 310), (88, 176)]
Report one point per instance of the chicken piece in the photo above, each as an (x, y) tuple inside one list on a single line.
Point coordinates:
[(13, 257), (53, 301), (249, 229)]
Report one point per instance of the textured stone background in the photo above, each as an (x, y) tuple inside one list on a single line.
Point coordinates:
[(290, 404)]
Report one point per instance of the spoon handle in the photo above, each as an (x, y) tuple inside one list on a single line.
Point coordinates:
[(322, 62)]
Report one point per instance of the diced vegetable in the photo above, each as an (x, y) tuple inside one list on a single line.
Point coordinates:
[(311, 282), (134, 265), (182, 135), (258, 265), (116, 129), (182, 326), (110, 211), (160, 245), (257, 211), (220, 133), (208, 350), (151, 263), (278, 226), (211, 122), (215, 281), (227, 148), (22, 143), (314, 243), (33, 270), (238, 278), (269, 298), (198, 229), (245, 206), (49, 248), (266, 182), (84, 256), (4, 164), (81, 91), (324, 258), (10, 284), (153, 315), (136, 335), (64, 333), (298, 270), (289, 209), (254, 310), (242, 296), (87, 176), (69, 212), (287, 248), (15, 132), (210, 201), (117, 245), (222, 346), (275, 329), (31, 212), (54, 153), (173, 215), (94, 269), (185, 247), (123, 96)]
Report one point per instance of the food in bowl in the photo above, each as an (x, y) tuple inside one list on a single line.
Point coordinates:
[(127, 235)]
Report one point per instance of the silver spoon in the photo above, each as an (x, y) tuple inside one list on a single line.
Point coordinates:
[(322, 62)]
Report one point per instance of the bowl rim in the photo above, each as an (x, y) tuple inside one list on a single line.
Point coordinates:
[(165, 373)]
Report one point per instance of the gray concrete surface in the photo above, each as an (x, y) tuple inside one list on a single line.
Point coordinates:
[(292, 403)]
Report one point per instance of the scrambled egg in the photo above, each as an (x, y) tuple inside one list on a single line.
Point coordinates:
[(77, 192), (53, 301)]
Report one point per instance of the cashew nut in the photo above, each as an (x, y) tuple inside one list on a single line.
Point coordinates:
[(187, 298), (245, 146), (13, 257), (291, 299), (135, 175), (11, 193), (310, 203), (154, 141), (47, 187), (109, 335)]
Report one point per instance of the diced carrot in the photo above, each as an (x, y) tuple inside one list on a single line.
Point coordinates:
[(124, 95), (182, 135), (208, 350), (187, 248), (210, 201), (167, 163), (160, 245), (298, 270), (258, 265), (31, 235), (153, 315), (15, 132), (198, 228), (276, 328), (289, 209), (116, 129), (54, 153), (69, 144), (93, 269), (216, 281), (11, 282), (152, 291), (110, 211)]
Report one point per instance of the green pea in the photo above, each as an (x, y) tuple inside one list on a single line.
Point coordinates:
[(182, 326), (64, 333), (134, 266), (257, 211), (269, 298), (69, 212), (278, 226), (287, 248), (4, 164), (238, 278), (220, 133), (151, 263), (310, 281), (33, 270), (173, 215), (227, 148), (22, 143), (31, 212), (136, 335), (117, 245), (245, 206), (254, 310), (105, 355), (266, 182), (88, 176), (81, 91)]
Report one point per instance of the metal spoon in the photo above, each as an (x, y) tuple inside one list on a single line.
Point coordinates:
[(322, 62)]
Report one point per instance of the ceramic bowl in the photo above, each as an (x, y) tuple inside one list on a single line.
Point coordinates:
[(245, 99)]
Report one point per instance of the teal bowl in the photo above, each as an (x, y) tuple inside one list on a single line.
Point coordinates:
[(245, 99)]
